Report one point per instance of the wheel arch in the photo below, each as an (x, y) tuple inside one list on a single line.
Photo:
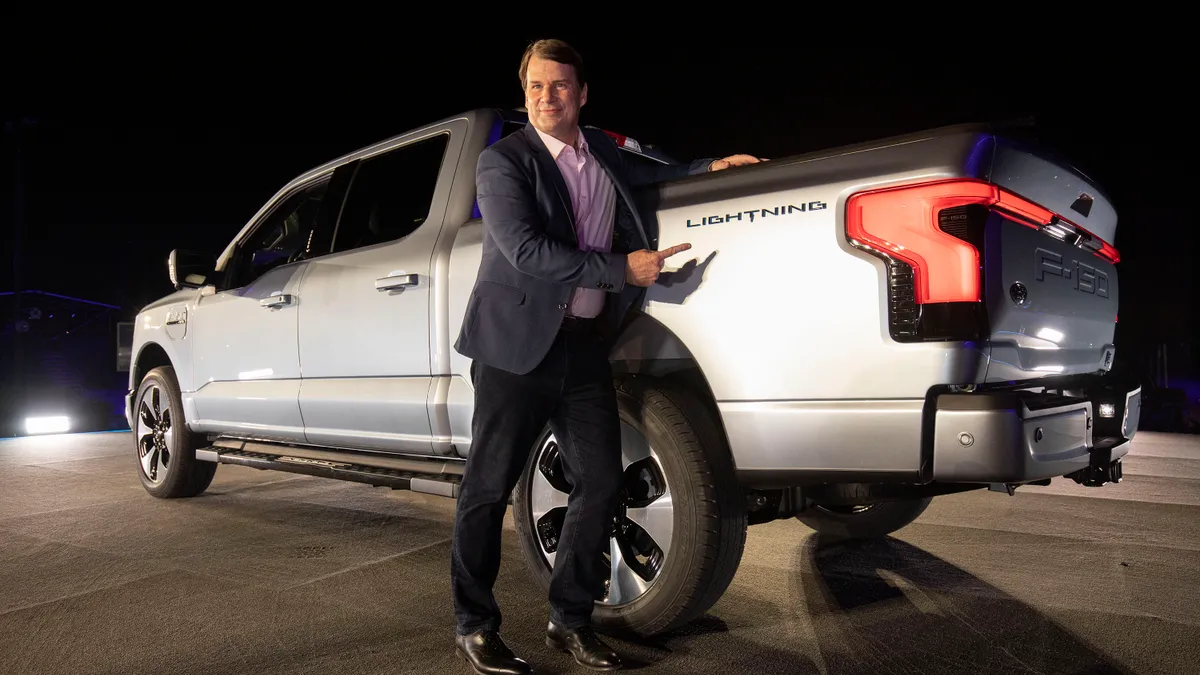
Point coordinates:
[(150, 356), (648, 348)]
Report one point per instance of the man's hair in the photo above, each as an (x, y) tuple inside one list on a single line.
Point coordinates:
[(553, 50)]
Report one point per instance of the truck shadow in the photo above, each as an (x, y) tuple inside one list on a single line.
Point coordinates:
[(889, 602), (866, 607)]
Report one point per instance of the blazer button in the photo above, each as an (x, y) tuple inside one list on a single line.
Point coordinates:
[(562, 306)]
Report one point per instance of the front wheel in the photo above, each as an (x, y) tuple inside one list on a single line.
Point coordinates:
[(680, 527), (166, 448)]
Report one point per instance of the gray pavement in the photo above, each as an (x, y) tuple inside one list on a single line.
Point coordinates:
[(277, 573)]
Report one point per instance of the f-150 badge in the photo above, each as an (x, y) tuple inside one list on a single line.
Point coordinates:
[(176, 322), (763, 213)]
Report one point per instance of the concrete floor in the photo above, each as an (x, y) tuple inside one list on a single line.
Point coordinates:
[(277, 573)]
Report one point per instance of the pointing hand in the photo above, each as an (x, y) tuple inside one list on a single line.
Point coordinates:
[(642, 267)]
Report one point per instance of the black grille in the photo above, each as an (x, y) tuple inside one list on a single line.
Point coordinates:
[(910, 322), (903, 311)]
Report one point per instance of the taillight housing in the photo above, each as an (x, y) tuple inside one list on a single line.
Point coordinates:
[(931, 236)]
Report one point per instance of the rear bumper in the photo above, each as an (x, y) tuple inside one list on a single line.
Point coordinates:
[(1020, 437)]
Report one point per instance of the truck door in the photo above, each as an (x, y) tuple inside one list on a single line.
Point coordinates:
[(364, 327), (246, 365)]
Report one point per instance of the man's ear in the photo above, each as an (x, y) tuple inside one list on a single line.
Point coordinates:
[(583, 96)]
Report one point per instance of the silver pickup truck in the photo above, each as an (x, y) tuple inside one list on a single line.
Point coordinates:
[(859, 330)]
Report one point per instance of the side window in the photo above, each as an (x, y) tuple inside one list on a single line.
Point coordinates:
[(391, 194), (282, 237)]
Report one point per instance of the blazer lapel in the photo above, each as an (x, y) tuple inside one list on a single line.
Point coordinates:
[(542, 154)]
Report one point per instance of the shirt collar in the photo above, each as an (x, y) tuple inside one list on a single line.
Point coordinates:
[(556, 146)]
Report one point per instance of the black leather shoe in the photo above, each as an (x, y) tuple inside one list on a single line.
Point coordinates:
[(583, 644), (488, 654)]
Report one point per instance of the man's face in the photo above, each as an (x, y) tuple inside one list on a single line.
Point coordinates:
[(553, 97)]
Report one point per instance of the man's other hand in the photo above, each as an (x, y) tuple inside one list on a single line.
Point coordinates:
[(734, 160), (642, 267)]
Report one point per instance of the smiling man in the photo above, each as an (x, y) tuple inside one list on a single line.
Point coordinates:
[(558, 270)]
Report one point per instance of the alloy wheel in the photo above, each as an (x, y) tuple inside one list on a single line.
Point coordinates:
[(154, 434), (642, 524)]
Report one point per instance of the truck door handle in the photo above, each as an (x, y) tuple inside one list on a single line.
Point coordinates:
[(276, 301), (396, 281)]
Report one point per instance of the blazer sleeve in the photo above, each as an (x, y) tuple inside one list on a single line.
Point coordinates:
[(509, 208), (640, 173)]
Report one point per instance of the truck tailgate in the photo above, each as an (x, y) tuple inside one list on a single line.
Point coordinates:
[(1051, 306), (1049, 280)]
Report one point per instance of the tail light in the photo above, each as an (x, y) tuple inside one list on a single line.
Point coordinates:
[(623, 141), (931, 236)]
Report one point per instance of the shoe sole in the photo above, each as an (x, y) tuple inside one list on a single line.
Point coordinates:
[(555, 644)]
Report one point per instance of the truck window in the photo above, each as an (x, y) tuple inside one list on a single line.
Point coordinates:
[(283, 236), (391, 194)]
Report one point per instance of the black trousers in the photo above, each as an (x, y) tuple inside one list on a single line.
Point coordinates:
[(572, 390)]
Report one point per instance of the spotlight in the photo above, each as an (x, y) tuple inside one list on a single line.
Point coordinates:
[(47, 425)]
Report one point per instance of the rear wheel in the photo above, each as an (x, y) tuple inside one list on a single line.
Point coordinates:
[(166, 448), (680, 528), (863, 521)]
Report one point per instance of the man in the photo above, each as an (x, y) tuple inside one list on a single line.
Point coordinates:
[(558, 271)]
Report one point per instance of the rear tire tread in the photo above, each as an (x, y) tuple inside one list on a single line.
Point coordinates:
[(881, 520), (687, 421)]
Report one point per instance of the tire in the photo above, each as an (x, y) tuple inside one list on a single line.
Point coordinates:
[(158, 426), (867, 521), (676, 445)]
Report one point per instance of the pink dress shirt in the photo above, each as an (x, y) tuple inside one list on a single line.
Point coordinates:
[(594, 200)]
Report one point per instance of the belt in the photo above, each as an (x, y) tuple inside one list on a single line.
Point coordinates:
[(575, 324)]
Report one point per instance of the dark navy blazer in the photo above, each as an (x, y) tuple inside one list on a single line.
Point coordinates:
[(531, 262)]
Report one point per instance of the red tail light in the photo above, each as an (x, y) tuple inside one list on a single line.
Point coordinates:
[(903, 223), (618, 138), (1108, 252), (1105, 251)]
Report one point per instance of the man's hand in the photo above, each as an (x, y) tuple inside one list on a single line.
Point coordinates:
[(642, 267), (734, 160)]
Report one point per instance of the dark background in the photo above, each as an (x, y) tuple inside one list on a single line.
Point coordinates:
[(132, 146)]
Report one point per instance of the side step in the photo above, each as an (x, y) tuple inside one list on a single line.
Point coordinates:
[(430, 476)]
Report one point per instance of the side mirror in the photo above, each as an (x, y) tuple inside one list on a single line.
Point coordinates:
[(189, 269)]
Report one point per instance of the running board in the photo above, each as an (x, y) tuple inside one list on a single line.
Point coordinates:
[(435, 477)]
